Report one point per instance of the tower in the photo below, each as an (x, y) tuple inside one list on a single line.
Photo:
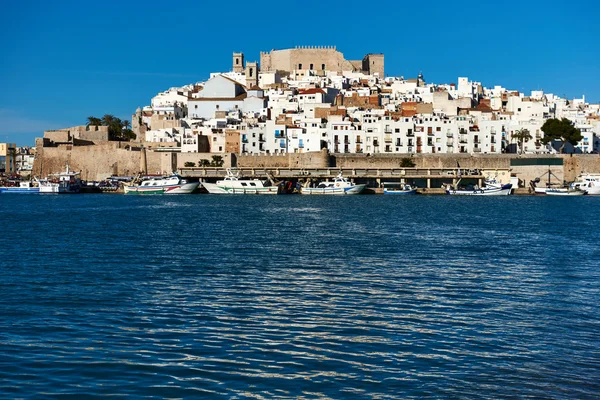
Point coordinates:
[(251, 74), (238, 62)]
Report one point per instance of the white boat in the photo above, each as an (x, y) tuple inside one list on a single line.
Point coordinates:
[(556, 186), (24, 187), (398, 188), (491, 188), (173, 184), (565, 192), (233, 184), (589, 183), (63, 182), (339, 185)]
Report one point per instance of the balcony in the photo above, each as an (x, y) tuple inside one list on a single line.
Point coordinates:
[(399, 143), (419, 129), (244, 139), (477, 150), (294, 135), (376, 143), (449, 134), (359, 141), (387, 130), (450, 143), (462, 131), (463, 139), (387, 138), (410, 133), (261, 138)]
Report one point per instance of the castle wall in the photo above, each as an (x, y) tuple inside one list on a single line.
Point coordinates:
[(290, 60), (317, 159)]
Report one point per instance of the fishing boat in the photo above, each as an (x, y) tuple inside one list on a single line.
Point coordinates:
[(173, 184), (590, 183), (23, 187), (339, 185), (67, 182), (491, 188), (398, 188), (234, 184), (539, 189)]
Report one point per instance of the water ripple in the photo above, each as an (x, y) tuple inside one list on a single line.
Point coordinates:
[(293, 297)]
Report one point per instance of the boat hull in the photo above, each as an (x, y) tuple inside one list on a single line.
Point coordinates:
[(215, 188), (399, 192), (185, 188), (505, 190), (356, 189), (29, 190), (565, 192)]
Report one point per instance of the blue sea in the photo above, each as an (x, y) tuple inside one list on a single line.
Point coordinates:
[(251, 297)]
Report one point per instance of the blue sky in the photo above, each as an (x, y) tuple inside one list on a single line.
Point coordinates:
[(66, 60)]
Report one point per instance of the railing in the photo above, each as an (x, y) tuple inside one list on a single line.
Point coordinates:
[(449, 134), (387, 138), (477, 150), (375, 143)]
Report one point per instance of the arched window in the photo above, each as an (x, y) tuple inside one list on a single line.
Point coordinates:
[(323, 67)]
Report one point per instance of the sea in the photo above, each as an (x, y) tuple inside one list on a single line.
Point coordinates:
[(299, 297)]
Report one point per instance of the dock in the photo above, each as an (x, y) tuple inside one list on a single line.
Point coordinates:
[(375, 176)]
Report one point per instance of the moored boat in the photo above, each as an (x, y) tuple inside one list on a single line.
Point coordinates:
[(233, 184), (339, 185), (491, 188), (173, 184), (398, 188), (23, 187), (590, 183), (63, 182)]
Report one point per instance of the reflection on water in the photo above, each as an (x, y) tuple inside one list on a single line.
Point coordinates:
[(295, 297)]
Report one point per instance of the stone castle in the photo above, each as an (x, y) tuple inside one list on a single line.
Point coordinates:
[(315, 58)]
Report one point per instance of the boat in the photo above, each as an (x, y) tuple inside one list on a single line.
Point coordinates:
[(24, 187), (398, 188), (565, 192), (339, 185), (549, 184), (590, 183), (491, 188), (234, 184), (62, 182), (172, 184)]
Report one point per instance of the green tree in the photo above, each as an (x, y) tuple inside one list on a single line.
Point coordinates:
[(521, 136), (217, 161), (126, 124), (562, 130), (204, 163), (189, 164), (407, 163)]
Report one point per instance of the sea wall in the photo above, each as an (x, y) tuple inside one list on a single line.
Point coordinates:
[(317, 159), (99, 161)]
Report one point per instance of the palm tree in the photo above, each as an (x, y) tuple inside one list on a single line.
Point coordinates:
[(126, 124), (522, 136), (93, 121)]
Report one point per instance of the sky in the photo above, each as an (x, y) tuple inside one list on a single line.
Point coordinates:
[(63, 61)]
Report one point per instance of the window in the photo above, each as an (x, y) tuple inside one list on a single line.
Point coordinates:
[(196, 106), (221, 148), (299, 66), (251, 72), (311, 66), (323, 67), (237, 61)]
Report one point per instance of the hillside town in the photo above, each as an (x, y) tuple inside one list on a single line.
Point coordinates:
[(309, 98)]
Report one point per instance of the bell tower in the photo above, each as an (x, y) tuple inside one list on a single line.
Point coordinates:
[(238, 62), (251, 74)]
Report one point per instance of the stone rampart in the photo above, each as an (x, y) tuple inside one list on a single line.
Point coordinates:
[(317, 159)]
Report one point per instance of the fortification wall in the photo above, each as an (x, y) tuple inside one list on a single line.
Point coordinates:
[(317, 159), (96, 162), (290, 59)]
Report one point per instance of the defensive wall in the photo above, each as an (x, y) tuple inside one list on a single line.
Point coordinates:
[(98, 161)]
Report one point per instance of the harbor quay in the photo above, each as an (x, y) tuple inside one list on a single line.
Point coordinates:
[(429, 181)]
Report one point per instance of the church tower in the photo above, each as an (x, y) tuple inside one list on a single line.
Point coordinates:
[(251, 74), (238, 62)]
